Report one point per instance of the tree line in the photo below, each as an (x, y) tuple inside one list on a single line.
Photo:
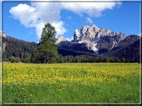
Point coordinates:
[(46, 51)]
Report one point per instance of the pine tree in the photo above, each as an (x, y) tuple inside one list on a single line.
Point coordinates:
[(47, 50)]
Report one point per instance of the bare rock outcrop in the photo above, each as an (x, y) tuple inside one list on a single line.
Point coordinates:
[(60, 39), (2, 41), (92, 33), (97, 38), (94, 39)]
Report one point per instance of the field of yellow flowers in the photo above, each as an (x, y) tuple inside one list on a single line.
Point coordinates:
[(71, 83)]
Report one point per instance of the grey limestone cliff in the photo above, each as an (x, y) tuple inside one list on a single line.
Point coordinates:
[(94, 38)]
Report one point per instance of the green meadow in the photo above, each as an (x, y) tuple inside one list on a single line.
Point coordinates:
[(71, 83)]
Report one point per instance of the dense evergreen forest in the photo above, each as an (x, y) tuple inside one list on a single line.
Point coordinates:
[(18, 50)]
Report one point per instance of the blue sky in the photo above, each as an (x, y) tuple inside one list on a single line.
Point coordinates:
[(24, 20)]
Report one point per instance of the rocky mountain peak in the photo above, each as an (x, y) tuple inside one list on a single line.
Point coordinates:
[(94, 27), (94, 39), (60, 39), (98, 38), (92, 33), (85, 26)]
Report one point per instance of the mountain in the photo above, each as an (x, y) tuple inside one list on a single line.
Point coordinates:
[(128, 40), (60, 39), (99, 38), (99, 41), (130, 51), (95, 40), (93, 33)]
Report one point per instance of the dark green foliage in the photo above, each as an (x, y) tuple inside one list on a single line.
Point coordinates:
[(123, 59), (13, 59), (18, 49), (90, 59), (48, 35), (47, 50), (22, 51)]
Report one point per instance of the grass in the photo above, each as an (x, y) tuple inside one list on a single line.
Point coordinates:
[(71, 83)]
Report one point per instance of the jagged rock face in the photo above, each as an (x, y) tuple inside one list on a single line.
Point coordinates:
[(2, 44), (60, 39), (93, 33), (128, 40), (97, 38)]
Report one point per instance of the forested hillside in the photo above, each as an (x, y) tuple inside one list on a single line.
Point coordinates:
[(18, 50)]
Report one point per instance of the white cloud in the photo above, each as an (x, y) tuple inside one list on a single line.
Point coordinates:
[(89, 20), (48, 11), (39, 27), (59, 28), (90, 8), (26, 14), (39, 13), (38, 17)]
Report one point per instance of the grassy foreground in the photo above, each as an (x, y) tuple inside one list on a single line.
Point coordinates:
[(71, 83)]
